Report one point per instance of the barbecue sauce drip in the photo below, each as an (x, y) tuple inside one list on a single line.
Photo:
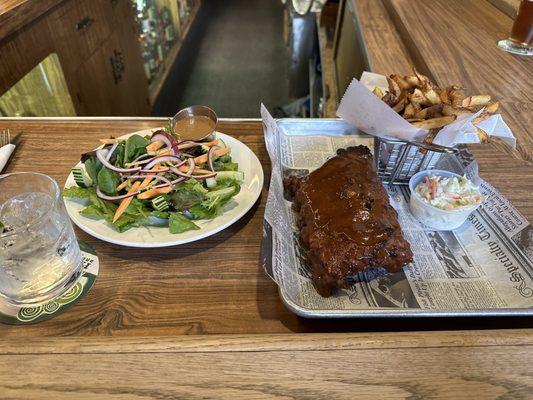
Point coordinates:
[(345, 201)]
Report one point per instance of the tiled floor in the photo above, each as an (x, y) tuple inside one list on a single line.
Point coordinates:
[(234, 58)]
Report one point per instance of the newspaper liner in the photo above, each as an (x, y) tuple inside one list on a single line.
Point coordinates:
[(484, 265)]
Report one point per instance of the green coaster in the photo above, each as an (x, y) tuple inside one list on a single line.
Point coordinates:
[(16, 315)]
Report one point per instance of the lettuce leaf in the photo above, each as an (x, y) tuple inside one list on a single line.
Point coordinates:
[(187, 194), (178, 223)]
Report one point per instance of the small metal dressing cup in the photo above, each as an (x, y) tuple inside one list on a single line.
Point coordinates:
[(197, 111)]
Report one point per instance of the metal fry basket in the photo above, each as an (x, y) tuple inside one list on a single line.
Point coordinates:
[(397, 160)]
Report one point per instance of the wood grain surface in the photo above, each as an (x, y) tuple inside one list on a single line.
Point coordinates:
[(455, 42), (465, 365), (14, 14)]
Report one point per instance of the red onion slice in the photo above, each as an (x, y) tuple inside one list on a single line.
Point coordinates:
[(206, 176), (113, 198), (102, 154), (142, 157), (151, 171), (187, 174), (164, 137), (111, 151), (210, 158), (159, 159)]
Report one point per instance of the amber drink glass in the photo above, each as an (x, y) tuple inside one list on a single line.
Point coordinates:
[(521, 39)]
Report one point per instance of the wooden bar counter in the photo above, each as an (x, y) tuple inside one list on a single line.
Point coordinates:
[(203, 321)]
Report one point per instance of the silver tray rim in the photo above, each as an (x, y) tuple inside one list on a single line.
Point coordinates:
[(388, 312), (402, 312)]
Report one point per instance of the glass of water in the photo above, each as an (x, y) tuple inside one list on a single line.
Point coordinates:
[(39, 256)]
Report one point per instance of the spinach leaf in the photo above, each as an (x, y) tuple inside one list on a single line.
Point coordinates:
[(177, 223), (135, 146), (117, 159), (92, 166), (108, 181)]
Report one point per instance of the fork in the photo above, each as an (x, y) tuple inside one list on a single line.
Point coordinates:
[(5, 137)]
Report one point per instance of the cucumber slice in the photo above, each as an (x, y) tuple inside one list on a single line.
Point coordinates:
[(160, 203), (237, 175), (81, 178), (211, 182)]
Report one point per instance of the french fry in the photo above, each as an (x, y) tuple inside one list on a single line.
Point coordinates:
[(438, 122), (444, 96), (430, 112), (389, 98), (409, 111), (477, 100), (432, 96), (456, 97), (492, 107), (423, 80), (378, 92), (418, 97), (480, 118), (398, 107), (430, 137), (448, 109), (402, 83), (393, 87), (483, 136), (412, 81)]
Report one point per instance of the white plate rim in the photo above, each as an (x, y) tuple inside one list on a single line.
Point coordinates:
[(202, 233)]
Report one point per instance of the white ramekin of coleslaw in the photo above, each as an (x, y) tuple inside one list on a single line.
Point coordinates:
[(443, 200)]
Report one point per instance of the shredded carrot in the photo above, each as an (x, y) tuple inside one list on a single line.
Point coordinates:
[(154, 146), (126, 202), (151, 193), (122, 185), (218, 152)]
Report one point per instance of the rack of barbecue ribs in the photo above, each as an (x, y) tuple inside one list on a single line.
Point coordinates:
[(346, 222)]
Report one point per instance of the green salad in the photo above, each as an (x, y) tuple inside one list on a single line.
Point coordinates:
[(156, 179)]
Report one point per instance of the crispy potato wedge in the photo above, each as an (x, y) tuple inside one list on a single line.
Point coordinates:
[(483, 136), (438, 122), (402, 100), (389, 98), (477, 100), (378, 92), (448, 109), (402, 83), (444, 97), (412, 80), (430, 112), (492, 107), (482, 117), (393, 87), (432, 96), (418, 97), (431, 136), (424, 80), (456, 97), (409, 111)]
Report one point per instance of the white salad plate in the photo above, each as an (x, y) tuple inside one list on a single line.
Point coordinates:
[(159, 236)]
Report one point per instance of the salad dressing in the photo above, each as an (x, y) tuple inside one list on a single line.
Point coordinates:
[(194, 127)]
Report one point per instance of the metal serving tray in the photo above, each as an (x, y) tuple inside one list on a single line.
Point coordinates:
[(448, 245)]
